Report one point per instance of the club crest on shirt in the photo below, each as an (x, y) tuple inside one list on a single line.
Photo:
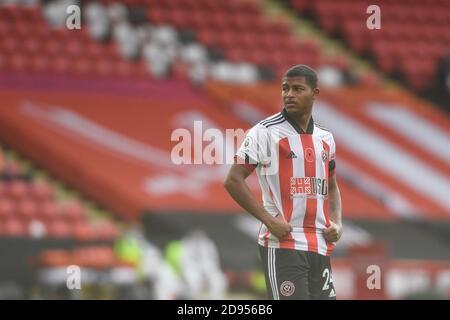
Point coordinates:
[(247, 142), (287, 288)]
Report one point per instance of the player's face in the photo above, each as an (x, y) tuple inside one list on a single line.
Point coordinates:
[(297, 95)]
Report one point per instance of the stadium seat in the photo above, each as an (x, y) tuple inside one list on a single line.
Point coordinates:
[(83, 232), (49, 210), (17, 190), (58, 228), (107, 231), (74, 212), (41, 191), (415, 26), (26, 209), (7, 208), (54, 258), (13, 227)]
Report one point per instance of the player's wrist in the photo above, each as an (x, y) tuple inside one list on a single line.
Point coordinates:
[(269, 220), (337, 223)]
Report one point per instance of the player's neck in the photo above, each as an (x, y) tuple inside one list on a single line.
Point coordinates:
[(302, 120)]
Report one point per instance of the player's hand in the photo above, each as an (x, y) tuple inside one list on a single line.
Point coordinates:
[(279, 227), (333, 233)]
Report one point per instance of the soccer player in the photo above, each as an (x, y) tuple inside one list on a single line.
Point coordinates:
[(300, 218)]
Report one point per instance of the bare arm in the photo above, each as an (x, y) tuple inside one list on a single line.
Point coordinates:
[(334, 231), (237, 187)]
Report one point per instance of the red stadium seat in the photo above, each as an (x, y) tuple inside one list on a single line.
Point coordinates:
[(3, 187), (41, 191), (157, 16), (54, 258), (10, 44), (58, 228), (73, 48), (82, 231), (7, 208), (180, 71), (39, 63), (180, 18), (60, 64), (74, 212), (26, 209), (13, 227), (412, 22), (236, 55), (123, 68), (207, 37), (99, 257), (81, 66), (17, 190), (104, 68), (107, 231), (49, 210)]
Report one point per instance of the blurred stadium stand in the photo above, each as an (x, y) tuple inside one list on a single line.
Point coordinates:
[(412, 44), (95, 108)]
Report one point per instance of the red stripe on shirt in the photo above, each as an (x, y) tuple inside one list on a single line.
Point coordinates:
[(326, 204), (309, 221), (266, 235), (285, 173)]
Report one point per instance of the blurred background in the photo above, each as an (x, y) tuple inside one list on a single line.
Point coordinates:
[(87, 114)]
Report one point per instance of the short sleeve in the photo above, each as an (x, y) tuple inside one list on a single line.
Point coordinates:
[(332, 162), (253, 150)]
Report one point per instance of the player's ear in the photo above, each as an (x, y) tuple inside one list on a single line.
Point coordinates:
[(316, 91)]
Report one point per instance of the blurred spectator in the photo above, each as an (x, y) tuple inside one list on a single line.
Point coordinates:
[(117, 12), (167, 38), (198, 73), (196, 56), (127, 39), (193, 53), (157, 61), (97, 21), (236, 73), (160, 50), (125, 35), (187, 36), (196, 259), (266, 73), (330, 76), (135, 249), (216, 54), (336, 72), (137, 16)]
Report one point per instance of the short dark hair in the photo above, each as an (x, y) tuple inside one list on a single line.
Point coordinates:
[(302, 70)]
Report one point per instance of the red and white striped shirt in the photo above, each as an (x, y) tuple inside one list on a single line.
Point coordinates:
[(293, 168)]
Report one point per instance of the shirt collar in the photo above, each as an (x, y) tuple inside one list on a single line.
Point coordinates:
[(309, 128)]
